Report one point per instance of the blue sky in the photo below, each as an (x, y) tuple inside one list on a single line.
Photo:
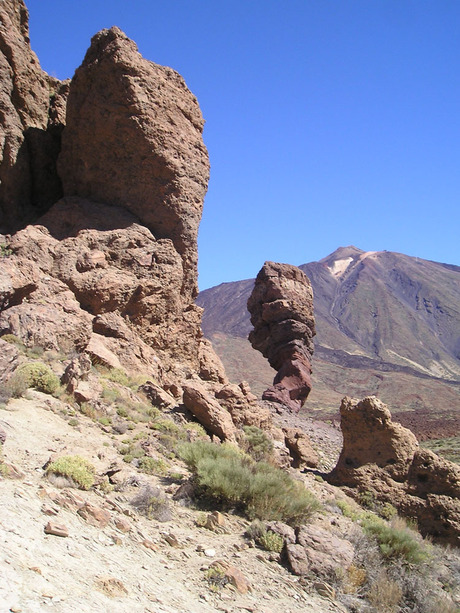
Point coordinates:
[(328, 122)]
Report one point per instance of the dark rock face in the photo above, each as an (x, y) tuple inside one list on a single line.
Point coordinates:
[(32, 109), (133, 138), (383, 458), (281, 308)]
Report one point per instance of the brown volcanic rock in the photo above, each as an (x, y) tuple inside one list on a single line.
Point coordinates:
[(31, 109), (281, 307), (134, 138), (208, 411), (111, 268), (383, 458), (370, 437)]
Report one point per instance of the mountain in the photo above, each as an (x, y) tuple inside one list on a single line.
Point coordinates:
[(387, 324)]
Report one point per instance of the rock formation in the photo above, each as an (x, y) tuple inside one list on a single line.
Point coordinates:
[(32, 106), (281, 307), (133, 138), (100, 262), (383, 458), (113, 264)]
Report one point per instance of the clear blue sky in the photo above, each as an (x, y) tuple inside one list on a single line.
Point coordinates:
[(329, 122)]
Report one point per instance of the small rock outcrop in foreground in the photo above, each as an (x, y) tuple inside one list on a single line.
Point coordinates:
[(383, 458), (281, 308)]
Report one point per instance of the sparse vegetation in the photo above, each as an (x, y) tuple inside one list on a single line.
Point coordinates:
[(153, 503), (33, 374), (14, 340), (225, 476), (216, 578), (448, 448), (5, 251), (153, 466), (396, 541), (75, 468)]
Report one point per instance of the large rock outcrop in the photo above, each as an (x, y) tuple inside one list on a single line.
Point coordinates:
[(133, 138), (114, 262), (383, 458), (32, 110), (281, 308)]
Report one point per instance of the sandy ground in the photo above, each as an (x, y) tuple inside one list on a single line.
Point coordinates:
[(40, 572)]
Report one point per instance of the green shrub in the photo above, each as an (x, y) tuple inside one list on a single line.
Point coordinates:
[(110, 394), (226, 476), (270, 541), (167, 426), (152, 466), (116, 375), (395, 542), (216, 577), (33, 374), (257, 443), (5, 251), (75, 468), (14, 340)]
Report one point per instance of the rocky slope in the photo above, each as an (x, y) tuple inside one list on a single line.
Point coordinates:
[(387, 324)]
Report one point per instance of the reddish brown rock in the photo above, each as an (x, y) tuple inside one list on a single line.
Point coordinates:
[(383, 458), (243, 406), (122, 524), (32, 105), (110, 269), (56, 529), (300, 448), (370, 437), (281, 307), (77, 370), (233, 575), (9, 361), (94, 515), (208, 411), (139, 131), (318, 552)]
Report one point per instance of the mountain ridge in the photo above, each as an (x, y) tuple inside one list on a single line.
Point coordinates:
[(378, 314)]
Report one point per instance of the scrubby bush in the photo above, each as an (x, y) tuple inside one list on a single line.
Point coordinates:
[(395, 542), (257, 443), (152, 466), (14, 340), (152, 502), (270, 541), (385, 594), (75, 468), (33, 374), (224, 475)]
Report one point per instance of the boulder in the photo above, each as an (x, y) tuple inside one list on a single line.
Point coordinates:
[(383, 458), (9, 360), (208, 411), (370, 437), (281, 308), (319, 552), (300, 448), (243, 406)]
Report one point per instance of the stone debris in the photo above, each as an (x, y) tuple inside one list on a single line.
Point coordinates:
[(56, 529)]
